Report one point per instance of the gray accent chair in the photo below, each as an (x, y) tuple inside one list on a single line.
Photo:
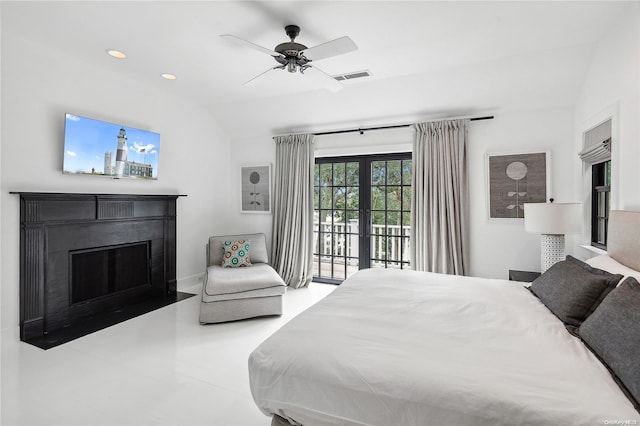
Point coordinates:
[(231, 294)]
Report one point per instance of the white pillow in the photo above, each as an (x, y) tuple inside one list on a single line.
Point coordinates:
[(607, 263)]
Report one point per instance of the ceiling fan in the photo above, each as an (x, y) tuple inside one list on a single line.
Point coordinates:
[(294, 56)]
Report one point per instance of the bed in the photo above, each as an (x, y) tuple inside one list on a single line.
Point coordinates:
[(393, 347)]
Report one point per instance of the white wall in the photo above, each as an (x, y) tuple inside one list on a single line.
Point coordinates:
[(496, 245), (612, 88), (259, 150), (381, 141), (38, 87)]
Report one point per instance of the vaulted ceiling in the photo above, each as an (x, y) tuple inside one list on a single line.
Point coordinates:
[(427, 59)]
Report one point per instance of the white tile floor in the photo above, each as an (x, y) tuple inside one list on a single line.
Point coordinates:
[(162, 368)]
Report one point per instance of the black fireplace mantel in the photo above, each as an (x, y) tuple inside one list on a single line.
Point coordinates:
[(55, 225)]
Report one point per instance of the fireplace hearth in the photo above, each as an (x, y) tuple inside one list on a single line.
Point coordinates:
[(91, 260)]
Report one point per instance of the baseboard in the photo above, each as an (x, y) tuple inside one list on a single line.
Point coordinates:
[(190, 281)]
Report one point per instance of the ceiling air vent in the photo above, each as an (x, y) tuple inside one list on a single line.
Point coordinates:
[(352, 75)]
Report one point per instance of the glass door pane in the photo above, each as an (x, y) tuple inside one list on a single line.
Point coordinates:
[(390, 213), (336, 220)]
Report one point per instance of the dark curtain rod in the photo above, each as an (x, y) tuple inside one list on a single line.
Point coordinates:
[(364, 129)]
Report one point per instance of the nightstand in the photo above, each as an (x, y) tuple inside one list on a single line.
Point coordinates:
[(524, 276)]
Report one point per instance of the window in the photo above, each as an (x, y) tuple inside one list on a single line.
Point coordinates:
[(600, 203), (362, 214), (596, 156)]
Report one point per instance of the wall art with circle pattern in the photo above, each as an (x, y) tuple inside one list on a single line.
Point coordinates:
[(515, 179)]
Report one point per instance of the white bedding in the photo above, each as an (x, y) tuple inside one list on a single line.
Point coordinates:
[(395, 347)]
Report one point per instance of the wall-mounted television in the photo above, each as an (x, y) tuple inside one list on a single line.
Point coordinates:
[(98, 148)]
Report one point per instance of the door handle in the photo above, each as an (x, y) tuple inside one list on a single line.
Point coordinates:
[(367, 223)]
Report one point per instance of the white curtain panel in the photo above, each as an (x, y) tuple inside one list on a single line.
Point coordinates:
[(292, 240), (440, 203)]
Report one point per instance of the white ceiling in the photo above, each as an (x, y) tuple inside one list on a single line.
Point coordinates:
[(427, 59)]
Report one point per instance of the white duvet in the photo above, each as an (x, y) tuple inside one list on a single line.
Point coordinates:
[(395, 347)]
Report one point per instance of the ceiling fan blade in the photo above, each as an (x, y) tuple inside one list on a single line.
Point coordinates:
[(253, 80), (331, 48), (252, 45), (330, 83)]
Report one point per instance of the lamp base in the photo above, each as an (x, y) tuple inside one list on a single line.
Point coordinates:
[(552, 250)]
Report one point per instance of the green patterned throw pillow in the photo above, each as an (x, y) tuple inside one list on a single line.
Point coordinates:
[(235, 254)]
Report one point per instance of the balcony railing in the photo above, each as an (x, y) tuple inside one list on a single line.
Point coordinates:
[(389, 243)]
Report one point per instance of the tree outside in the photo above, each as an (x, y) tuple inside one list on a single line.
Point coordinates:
[(337, 191)]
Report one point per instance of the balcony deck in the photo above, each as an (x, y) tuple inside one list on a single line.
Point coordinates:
[(338, 242)]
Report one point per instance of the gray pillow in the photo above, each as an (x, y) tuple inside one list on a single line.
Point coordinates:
[(612, 332), (572, 290)]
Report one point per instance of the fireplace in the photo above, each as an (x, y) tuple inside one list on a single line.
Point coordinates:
[(103, 271), (87, 256)]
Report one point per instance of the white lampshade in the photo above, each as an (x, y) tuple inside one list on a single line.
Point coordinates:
[(553, 218), (553, 221)]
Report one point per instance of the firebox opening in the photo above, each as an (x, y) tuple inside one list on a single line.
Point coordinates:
[(103, 271)]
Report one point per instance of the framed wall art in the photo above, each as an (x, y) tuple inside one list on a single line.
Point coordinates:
[(515, 179), (255, 189)]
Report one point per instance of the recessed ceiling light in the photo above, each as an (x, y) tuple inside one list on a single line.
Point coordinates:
[(169, 76), (116, 54)]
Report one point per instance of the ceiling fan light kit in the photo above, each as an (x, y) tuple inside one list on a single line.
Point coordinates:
[(294, 56)]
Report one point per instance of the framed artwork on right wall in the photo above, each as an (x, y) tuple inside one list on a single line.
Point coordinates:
[(515, 179)]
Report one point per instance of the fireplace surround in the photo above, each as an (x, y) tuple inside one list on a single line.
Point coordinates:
[(89, 255)]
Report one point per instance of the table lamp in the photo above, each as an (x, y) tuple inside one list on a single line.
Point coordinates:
[(553, 221)]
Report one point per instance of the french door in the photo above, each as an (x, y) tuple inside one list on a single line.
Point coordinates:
[(362, 214)]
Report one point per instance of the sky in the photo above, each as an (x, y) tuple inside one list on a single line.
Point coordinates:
[(86, 140)]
